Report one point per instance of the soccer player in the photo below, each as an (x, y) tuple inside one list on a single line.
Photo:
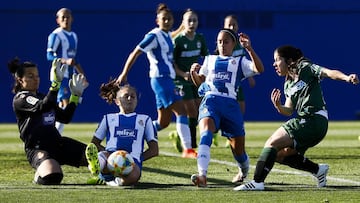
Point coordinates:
[(125, 130), (288, 144), (36, 113), (231, 22), (159, 48), (218, 78), (62, 43), (189, 47)]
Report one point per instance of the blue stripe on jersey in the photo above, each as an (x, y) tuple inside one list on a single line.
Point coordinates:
[(222, 75), (126, 133), (159, 49)]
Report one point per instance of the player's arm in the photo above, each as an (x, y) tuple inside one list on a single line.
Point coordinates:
[(195, 77), (97, 142), (286, 109), (151, 151), (129, 63), (338, 75), (246, 43)]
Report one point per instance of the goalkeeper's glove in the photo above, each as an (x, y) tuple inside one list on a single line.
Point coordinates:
[(77, 85), (57, 72)]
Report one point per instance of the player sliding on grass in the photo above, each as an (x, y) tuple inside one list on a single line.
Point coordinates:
[(218, 78), (125, 130), (36, 114), (288, 144)]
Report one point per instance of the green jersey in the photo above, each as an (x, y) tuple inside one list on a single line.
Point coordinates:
[(305, 93), (187, 52)]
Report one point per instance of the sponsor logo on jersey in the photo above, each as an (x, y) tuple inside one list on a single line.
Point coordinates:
[(222, 76), (123, 132), (48, 118)]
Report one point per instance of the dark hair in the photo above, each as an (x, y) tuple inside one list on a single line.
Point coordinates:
[(17, 69), (232, 34), (290, 52), (162, 7), (109, 90)]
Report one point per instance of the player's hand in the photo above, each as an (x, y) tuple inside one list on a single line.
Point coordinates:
[(275, 97), (244, 40), (354, 79), (57, 71), (78, 84)]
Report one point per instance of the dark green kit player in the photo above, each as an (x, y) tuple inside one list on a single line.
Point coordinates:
[(288, 144), (189, 47)]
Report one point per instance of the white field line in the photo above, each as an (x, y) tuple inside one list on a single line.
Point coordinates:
[(340, 180)]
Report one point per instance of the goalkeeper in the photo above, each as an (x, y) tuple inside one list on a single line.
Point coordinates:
[(36, 113)]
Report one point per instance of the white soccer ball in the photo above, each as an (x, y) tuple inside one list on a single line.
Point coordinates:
[(120, 163)]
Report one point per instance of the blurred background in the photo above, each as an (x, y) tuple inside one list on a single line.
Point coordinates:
[(327, 31)]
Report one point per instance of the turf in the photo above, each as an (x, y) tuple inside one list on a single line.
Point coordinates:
[(166, 178)]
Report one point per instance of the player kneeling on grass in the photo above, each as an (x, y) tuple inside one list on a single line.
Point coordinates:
[(125, 130), (288, 144), (36, 114)]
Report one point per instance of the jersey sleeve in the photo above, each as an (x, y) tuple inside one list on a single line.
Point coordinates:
[(247, 67), (204, 68), (102, 129), (149, 42), (150, 132), (52, 45), (27, 102)]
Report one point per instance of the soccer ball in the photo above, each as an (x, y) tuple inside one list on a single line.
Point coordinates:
[(120, 163)]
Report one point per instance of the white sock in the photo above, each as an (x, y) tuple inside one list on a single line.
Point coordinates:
[(203, 159), (102, 160), (184, 133)]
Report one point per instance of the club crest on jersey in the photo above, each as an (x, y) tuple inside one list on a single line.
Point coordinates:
[(198, 45), (185, 46), (298, 86), (31, 100), (141, 122)]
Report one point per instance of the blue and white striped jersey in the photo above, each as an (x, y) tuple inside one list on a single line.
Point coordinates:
[(159, 48), (62, 44), (126, 132), (224, 74)]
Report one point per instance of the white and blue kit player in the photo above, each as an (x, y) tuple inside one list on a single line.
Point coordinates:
[(223, 76), (63, 43), (124, 132), (158, 46), (218, 79)]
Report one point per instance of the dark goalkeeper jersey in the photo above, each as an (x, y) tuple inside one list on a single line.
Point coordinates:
[(36, 115)]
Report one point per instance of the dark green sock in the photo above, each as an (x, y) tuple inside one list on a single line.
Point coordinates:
[(192, 125), (300, 162), (265, 163)]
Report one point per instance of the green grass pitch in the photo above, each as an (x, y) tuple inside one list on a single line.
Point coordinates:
[(166, 178)]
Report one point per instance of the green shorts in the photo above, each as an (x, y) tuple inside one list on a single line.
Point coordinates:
[(240, 94), (306, 132), (186, 89)]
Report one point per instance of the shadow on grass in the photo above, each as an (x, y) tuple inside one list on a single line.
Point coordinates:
[(212, 182)]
